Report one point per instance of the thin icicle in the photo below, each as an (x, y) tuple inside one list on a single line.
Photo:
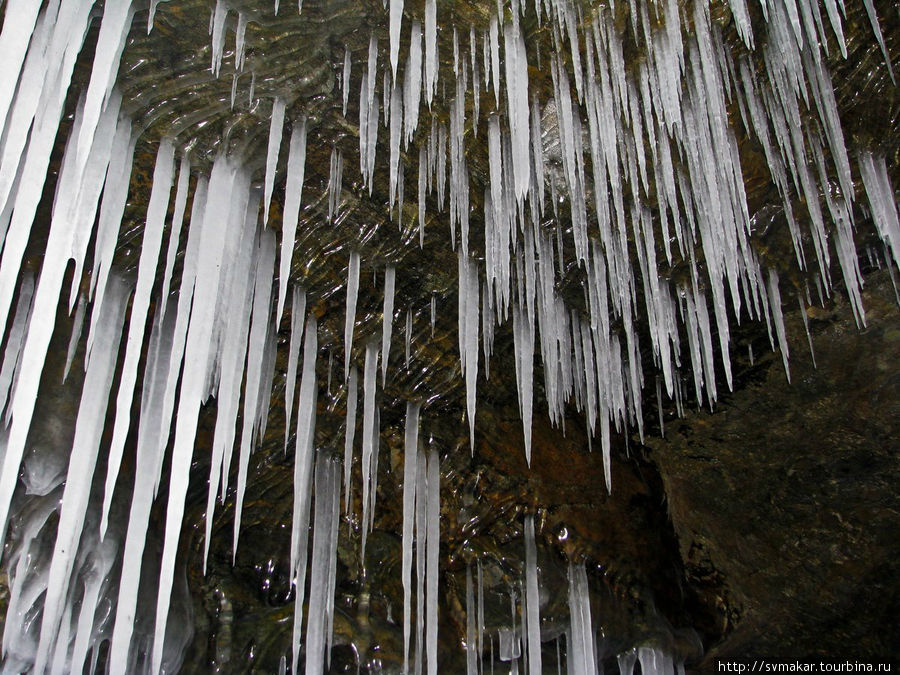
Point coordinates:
[(390, 274), (75, 338), (259, 324), (181, 193), (350, 316), (276, 127), (293, 193), (303, 466), (431, 50), (350, 432), (775, 305), (150, 248), (298, 311), (432, 543), (369, 446), (410, 455), (532, 600)]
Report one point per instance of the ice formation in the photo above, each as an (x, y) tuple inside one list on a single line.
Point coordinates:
[(611, 175)]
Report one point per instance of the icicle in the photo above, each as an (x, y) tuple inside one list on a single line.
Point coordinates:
[(495, 59), (350, 316), (368, 439), (12, 354), (410, 454), (532, 597), (303, 464), (75, 338), (350, 432), (224, 181), (276, 126), (150, 247), (240, 43), (324, 546), (876, 28), (396, 16), (293, 193), (298, 310), (218, 35), (412, 83), (111, 39), (181, 193), (775, 304), (390, 274), (471, 654), (259, 323), (345, 81), (431, 50), (881, 199), (407, 337), (432, 542), (82, 461)]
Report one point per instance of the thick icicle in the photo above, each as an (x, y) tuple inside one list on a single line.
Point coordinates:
[(396, 16)]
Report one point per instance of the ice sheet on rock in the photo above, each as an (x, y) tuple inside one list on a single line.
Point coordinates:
[(276, 128), (293, 193)]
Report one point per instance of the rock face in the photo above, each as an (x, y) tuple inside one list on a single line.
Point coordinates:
[(783, 500)]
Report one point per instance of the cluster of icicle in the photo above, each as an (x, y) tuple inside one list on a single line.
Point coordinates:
[(520, 640), (661, 121)]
